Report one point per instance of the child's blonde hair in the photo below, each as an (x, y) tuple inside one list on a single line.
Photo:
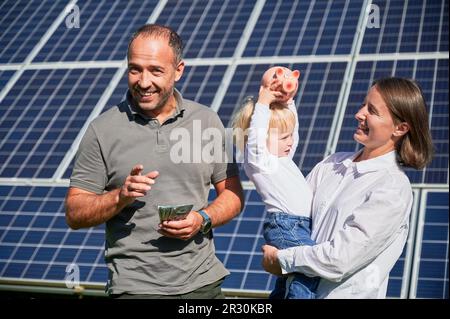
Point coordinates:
[(281, 118)]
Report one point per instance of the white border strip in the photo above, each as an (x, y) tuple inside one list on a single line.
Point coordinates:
[(409, 255), (238, 61)]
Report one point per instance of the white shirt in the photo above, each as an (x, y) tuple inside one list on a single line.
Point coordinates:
[(277, 180), (360, 222)]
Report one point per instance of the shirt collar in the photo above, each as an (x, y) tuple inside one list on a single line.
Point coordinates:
[(179, 106), (373, 164)]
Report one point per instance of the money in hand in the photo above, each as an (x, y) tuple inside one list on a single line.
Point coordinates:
[(173, 212)]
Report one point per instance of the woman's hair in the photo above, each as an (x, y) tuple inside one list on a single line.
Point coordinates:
[(281, 118), (406, 103)]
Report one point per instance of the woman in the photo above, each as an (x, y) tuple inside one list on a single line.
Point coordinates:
[(362, 200)]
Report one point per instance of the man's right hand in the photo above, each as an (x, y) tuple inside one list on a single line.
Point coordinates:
[(136, 185)]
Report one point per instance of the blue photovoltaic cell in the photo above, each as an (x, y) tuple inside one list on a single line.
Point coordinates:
[(33, 244), (433, 265), (41, 116), (432, 75), (104, 30), (4, 78), (316, 101), (304, 27), (408, 26), (208, 28), (23, 23)]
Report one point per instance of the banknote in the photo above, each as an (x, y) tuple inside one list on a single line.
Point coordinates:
[(173, 212)]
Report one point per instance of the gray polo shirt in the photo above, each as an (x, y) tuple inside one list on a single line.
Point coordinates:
[(139, 259)]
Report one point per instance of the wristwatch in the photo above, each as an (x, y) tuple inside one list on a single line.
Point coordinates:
[(206, 224)]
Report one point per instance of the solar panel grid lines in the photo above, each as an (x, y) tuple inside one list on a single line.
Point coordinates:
[(43, 250), (31, 20), (238, 246), (221, 22), (62, 46), (317, 34), (254, 252), (306, 141), (199, 24), (39, 245), (104, 35), (41, 126), (20, 239), (57, 114), (430, 263), (420, 26)]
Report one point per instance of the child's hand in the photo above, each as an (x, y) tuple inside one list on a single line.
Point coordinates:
[(268, 96), (271, 93)]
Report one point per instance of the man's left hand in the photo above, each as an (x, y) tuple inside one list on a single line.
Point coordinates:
[(270, 261), (182, 229)]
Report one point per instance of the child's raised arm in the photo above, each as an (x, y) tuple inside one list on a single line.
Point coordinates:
[(292, 107), (257, 152)]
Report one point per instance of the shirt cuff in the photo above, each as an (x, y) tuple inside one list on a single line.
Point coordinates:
[(286, 259), (262, 106)]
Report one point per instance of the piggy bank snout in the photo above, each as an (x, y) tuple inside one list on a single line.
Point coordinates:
[(290, 81)]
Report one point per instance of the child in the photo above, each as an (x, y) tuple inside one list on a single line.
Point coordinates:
[(268, 149)]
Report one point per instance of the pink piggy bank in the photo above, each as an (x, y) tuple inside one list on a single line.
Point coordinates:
[(288, 78)]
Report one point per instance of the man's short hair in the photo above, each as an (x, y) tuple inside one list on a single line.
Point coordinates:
[(160, 31)]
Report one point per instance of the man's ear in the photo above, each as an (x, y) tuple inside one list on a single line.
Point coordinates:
[(401, 129), (179, 70)]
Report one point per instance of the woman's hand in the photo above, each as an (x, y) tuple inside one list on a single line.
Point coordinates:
[(270, 261)]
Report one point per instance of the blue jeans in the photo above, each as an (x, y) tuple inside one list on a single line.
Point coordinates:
[(284, 231)]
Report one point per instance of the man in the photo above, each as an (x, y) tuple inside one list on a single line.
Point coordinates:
[(125, 169)]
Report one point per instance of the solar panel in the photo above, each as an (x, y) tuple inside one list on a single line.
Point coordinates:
[(107, 27), (23, 23), (35, 242), (413, 26), (296, 27), (431, 266), (41, 116), (228, 46), (208, 28)]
